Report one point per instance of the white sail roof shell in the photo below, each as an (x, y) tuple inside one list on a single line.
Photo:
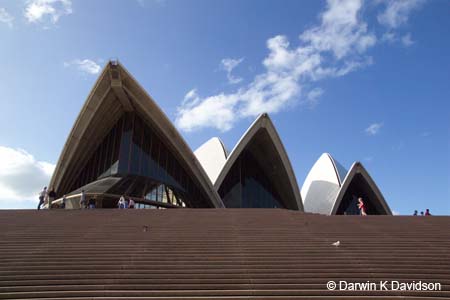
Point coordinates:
[(357, 168), (212, 155), (283, 172), (322, 185)]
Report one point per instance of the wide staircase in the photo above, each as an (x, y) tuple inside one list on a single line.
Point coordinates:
[(217, 254)]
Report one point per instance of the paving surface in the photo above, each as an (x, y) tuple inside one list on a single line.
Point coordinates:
[(216, 253)]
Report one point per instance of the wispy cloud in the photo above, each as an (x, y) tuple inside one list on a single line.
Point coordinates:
[(312, 99), (144, 2), (85, 65), (334, 48), (21, 176), (47, 10), (397, 12), (5, 17), (368, 159), (407, 40), (392, 37), (389, 37), (425, 134), (398, 146), (373, 129), (228, 64)]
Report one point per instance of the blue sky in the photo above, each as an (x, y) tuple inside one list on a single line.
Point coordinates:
[(365, 81)]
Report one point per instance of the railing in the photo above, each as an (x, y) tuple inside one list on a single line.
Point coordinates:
[(135, 199)]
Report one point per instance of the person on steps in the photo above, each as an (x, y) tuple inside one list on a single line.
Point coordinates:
[(42, 196), (121, 203), (83, 201), (362, 208), (91, 203)]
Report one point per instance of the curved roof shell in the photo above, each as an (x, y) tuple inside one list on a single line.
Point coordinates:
[(322, 185), (212, 155), (263, 141), (114, 93), (359, 175)]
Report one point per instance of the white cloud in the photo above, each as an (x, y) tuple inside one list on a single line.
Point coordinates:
[(374, 128), (406, 40), (86, 66), (228, 64), (397, 12), (313, 97), (5, 17), (395, 213), (389, 37), (392, 37), (215, 110), (334, 48), (21, 176), (341, 31), (47, 10)]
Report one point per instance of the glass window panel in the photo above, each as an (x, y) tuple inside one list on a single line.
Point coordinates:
[(154, 157), (125, 144), (162, 163), (136, 151), (116, 147), (101, 157), (145, 160), (108, 155)]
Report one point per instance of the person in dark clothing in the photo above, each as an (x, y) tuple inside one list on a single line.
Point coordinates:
[(427, 212), (51, 197), (63, 202), (415, 213), (42, 195), (91, 203)]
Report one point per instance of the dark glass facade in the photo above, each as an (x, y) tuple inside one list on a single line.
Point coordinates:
[(105, 160), (359, 187), (148, 169), (247, 186)]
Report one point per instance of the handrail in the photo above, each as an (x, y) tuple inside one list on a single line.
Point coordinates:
[(137, 199)]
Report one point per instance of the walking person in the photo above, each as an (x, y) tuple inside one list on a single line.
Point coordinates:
[(427, 212), (42, 196), (361, 206), (63, 202), (83, 201), (415, 213)]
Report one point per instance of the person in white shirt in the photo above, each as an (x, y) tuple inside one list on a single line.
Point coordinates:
[(83, 202), (131, 203), (121, 203), (42, 196)]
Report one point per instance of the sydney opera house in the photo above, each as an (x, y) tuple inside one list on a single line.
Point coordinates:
[(123, 144), (300, 246)]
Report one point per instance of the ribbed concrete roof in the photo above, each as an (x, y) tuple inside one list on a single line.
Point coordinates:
[(212, 155), (215, 253)]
